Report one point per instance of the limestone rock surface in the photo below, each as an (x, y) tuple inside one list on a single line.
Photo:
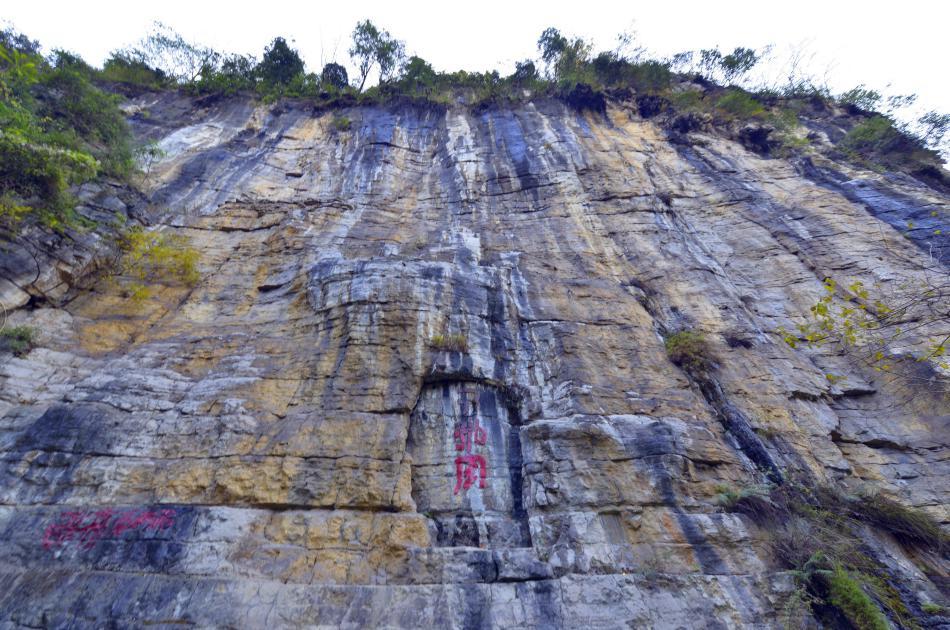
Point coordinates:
[(422, 381)]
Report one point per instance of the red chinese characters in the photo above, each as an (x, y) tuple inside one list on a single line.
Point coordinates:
[(466, 469), (86, 528), (469, 466), (146, 519)]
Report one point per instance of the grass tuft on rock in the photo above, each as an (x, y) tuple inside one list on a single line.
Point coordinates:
[(846, 594), (909, 525), (18, 340), (689, 349), (449, 343), (819, 533)]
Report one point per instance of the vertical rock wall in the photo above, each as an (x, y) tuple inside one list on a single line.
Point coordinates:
[(288, 444)]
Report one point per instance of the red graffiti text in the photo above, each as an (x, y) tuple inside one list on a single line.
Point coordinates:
[(85, 528)]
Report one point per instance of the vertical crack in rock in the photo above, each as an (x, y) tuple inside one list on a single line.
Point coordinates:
[(738, 426), (515, 472)]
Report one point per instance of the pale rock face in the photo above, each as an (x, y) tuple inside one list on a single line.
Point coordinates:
[(285, 444)]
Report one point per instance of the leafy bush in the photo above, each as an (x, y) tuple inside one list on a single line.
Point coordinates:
[(18, 340), (932, 609), (35, 178), (56, 130), (876, 134), (880, 141), (235, 74), (87, 116), (753, 501), (450, 343), (342, 123), (525, 74), (739, 104), (686, 100), (689, 349), (418, 77), (121, 67), (156, 258), (649, 76)]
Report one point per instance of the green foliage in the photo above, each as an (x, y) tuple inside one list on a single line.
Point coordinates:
[(234, 74), (818, 533), (374, 48), (418, 77), (150, 258), (727, 68), (172, 56), (689, 349), (146, 155), (880, 142), (525, 74), (129, 69), (334, 75), (686, 100), (56, 130), (876, 134), (737, 63), (739, 104), (789, 133), (730, 498), (872, 328), (13, 40), (567, 60), (86, 117), (342, 123), (932, 609), (862, 98), (18, 340), (35, 178), (934, 128), (846, 594), (280, 64), (908, 525), (648, 76), (449, 343)]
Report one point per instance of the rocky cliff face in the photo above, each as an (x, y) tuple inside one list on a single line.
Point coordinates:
[(422, 380)]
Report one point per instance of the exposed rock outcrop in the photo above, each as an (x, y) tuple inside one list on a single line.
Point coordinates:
[(288, 444)]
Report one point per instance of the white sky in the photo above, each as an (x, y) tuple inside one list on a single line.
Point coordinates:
[(904, 43)]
